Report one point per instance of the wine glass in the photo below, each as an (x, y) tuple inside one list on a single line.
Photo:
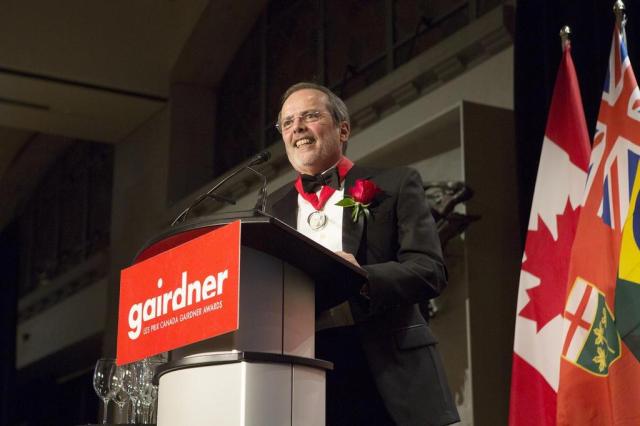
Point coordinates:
[(118, 394), (101, 382), (148, 396), (149, 367), (131, 383), (149, 391)]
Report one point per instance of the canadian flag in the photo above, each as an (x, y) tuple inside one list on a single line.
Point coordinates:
[(560, 183)]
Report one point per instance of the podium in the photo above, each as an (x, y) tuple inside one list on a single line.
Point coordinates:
[(264, 373)]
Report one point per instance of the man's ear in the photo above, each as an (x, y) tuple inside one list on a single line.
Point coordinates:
[(345, 131)]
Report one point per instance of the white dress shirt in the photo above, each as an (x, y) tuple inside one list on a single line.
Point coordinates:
[(330, 235)]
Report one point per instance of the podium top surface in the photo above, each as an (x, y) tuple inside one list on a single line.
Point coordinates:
[(336, 279)]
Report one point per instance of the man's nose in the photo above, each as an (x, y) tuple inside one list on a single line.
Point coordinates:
[(299, 124)]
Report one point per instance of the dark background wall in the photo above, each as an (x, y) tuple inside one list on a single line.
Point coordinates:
[(9, 289)]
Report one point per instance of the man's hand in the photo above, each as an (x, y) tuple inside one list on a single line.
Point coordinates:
[(348, 257)]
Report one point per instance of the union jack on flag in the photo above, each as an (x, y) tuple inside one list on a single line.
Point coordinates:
[(619, 173), (616, 139), (599, 373)]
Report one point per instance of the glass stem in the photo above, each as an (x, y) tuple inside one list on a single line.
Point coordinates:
[(105, 407), (132, 413)]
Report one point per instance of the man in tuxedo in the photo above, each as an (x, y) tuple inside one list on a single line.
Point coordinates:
[(387, 369)]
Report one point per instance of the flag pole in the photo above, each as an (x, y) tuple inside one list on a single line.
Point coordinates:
[(621, 18), (565, 41)]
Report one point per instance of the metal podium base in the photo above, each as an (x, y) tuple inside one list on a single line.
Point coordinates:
[(242, 389)]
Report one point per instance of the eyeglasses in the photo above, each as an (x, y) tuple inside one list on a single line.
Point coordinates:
[(307, 117)]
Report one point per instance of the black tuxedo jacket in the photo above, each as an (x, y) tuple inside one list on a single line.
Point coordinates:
[(399, 248)]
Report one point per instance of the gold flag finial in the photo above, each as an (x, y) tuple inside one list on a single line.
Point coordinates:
[(618, 9), (565, 32)]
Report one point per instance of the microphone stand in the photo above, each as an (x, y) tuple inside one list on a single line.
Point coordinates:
[(258, 159), (262, 194)]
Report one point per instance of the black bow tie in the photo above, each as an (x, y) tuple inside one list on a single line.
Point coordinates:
[(313, 183)]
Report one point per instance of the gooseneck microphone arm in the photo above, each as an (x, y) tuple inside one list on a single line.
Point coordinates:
[(257, 159), (262, 195)]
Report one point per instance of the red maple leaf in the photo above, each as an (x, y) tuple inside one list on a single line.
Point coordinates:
[(548, 259)]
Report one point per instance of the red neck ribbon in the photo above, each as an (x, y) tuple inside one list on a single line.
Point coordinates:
[(343, 166)]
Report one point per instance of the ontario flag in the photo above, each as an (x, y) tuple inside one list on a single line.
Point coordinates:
[(599, 375), (559, 191)]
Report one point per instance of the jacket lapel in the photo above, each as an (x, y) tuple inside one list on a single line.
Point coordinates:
[(286, 209), (352, 231)]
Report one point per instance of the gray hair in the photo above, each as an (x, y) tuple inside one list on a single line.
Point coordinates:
[(336, 106)]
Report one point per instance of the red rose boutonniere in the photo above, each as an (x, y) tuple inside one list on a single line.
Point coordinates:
[(361, 194)]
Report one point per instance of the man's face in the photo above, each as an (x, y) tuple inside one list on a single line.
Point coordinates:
[(312, 147)]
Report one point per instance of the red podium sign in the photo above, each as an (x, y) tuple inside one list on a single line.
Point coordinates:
[(181, 296)]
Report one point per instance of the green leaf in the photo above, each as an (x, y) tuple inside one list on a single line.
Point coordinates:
[(346, 202)]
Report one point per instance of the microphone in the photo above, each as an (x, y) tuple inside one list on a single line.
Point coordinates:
[(260, 158)]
